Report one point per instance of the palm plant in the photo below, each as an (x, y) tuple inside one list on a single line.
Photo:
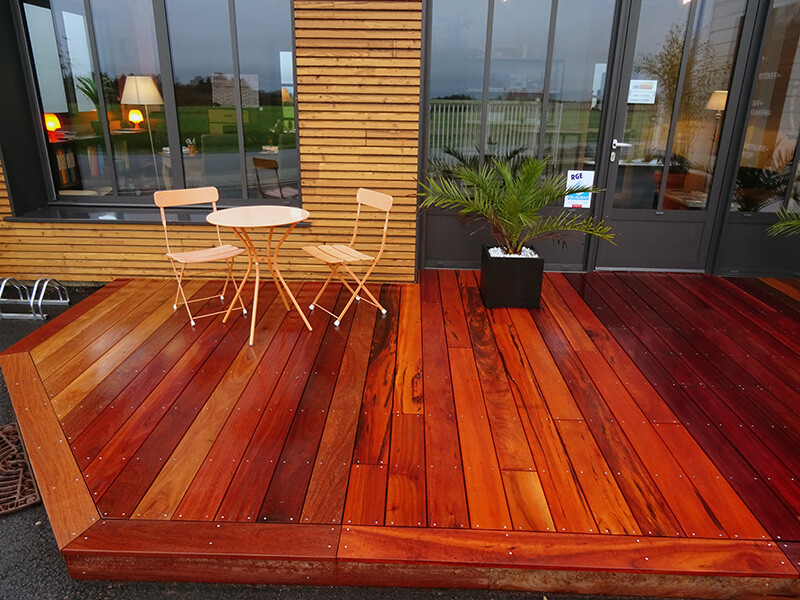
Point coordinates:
[(510, 200), (788, 223)]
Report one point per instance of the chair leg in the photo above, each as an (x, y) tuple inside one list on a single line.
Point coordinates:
[(179, 276), (362, 286), (322, 289), (230, 278)]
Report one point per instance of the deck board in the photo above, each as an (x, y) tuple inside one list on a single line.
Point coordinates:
[(641, 424)]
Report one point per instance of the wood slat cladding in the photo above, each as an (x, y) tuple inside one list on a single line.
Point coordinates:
[(358, 86)]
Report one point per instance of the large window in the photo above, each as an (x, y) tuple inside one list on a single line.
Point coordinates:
[(538, 94), (142, 95)]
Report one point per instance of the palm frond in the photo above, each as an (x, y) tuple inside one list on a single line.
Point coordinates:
[(509, 198), (788, 223)]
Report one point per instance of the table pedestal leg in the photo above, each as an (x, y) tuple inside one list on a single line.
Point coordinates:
[(240, 287), (273, 266)]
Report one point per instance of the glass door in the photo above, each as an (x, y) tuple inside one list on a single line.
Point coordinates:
[(675, 59)]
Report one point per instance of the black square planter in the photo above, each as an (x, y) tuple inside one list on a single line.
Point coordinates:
[(511, 282)]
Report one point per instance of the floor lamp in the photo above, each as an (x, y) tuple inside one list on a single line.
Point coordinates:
[(142, 90), (717, 102)]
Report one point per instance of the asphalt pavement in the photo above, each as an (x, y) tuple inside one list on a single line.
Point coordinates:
[(31, 566)]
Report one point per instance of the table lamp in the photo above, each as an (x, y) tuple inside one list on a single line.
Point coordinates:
[(52, 124), (135, 117), (142, 90)]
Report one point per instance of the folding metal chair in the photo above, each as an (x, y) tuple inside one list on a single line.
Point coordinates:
[(338, 256), (180, 260), (267, 164)]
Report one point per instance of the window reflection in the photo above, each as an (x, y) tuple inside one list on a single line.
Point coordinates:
[(267, 84), (517, 77), (458, 40), (66, 79), (700, 91), (702, 104), (651, 97), (509, 113), (126, 48), (202, 65), (765, 167), (576, 98)]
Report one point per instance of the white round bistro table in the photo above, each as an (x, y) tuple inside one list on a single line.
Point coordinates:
[(242, 218)]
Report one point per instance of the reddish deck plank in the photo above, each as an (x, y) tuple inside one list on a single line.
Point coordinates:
[(625, 378), (140, 470), (287, 490), (374, 426), (366, 495), (124, 426), (408, 397), (623, 554), (770, 510), (486, 499), (405, 491), (568, 505), (144, 358), (724, 407), (643, 496), (248, 488), (646, 397), (73, 313), (510, 441), (446, 496), (171, 540), (202, 499), (610, 509), (325, 498), (63, 491), (87, 325), (165, 493), (77, 389), (62, 370)]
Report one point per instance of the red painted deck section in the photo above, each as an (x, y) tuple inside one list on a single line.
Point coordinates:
[(646, 424)]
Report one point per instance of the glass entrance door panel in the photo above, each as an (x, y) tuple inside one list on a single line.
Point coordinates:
[(651, 93), (676, 64)]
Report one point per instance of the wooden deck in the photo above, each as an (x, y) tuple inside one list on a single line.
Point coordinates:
[(639, 434)]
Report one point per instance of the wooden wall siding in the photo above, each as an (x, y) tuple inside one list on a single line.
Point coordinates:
[(358, 83)]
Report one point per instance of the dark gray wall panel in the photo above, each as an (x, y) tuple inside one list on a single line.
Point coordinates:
[(654, 245), (746, 249), (450, 243)]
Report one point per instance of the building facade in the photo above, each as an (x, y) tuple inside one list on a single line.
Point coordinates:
[(685, 113)]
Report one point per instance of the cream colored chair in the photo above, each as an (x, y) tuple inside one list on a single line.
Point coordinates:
[(278, 191), (339, 256), (180, 260)]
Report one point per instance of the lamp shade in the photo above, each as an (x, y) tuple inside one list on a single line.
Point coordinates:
[(718, 100), (140, 89), (135, 116), (51, 122)]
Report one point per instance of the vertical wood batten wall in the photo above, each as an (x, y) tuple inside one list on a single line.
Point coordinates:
[(358, 84)]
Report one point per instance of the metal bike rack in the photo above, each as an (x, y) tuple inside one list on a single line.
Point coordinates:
[(46, 292)]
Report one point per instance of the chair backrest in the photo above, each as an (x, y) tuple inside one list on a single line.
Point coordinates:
[(374, 199), (270, 165), (191, 196), (377, 201)]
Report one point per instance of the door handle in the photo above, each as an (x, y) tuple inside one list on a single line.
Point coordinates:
[(617, 144)]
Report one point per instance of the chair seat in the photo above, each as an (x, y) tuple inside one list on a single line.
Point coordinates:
[(336, 253), (284, 192), (206, 254)]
